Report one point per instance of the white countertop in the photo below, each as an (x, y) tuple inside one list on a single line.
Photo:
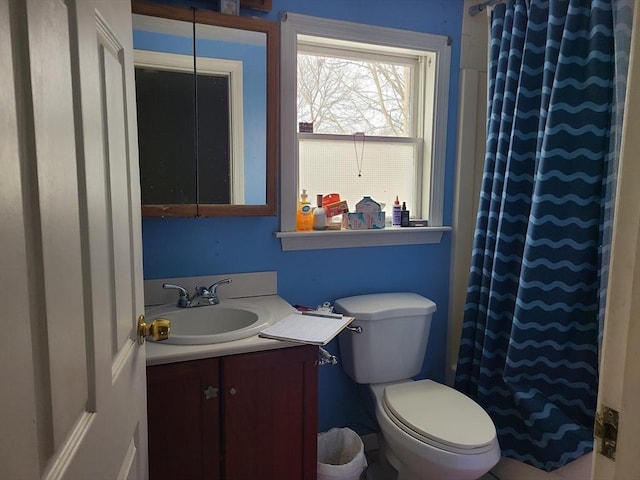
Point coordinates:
[(159, 353)]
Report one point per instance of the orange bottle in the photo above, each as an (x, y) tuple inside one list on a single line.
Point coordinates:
[(304, 215)]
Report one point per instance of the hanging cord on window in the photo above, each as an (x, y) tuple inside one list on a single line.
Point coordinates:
[(196, 138), (359, 158)]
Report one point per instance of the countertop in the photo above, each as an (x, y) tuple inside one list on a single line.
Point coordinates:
[(159, 353)]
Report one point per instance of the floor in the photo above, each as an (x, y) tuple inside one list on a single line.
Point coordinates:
[(506, 469)]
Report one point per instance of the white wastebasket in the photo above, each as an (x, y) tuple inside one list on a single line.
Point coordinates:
[(340, 455)]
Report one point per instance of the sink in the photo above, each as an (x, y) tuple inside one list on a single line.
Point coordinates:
[(229, 320)]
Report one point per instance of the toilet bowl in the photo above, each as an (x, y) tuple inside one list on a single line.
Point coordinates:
[(433, 432), (430, 431)]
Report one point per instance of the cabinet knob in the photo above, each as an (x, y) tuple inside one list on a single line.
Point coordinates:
[(210, 392), (232, 391)]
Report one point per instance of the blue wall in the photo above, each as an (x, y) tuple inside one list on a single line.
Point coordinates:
[(175, 247)]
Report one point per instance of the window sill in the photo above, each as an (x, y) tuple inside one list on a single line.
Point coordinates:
[(317, 240)]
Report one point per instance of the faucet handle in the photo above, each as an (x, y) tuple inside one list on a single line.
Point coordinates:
[(212, 288), (183, 295)]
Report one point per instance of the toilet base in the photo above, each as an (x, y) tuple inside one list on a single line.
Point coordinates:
[(422, 471), (379, 467), (415, 460)]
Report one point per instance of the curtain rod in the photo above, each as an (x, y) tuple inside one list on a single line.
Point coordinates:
[(475, 9)]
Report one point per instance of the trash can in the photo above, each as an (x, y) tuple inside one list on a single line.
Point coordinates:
[(340, 455)]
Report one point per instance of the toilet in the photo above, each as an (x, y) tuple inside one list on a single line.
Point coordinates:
[(429, 431)]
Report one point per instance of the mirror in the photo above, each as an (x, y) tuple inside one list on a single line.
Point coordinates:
[(226, 165)]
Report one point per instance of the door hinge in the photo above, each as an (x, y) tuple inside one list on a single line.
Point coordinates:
[(606, 429)]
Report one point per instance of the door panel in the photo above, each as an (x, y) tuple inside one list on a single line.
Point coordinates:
[(61, 308), (70, 243), (112, 71), (19, 406)]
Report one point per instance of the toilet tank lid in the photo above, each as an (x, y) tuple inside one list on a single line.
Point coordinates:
[(377, 306)]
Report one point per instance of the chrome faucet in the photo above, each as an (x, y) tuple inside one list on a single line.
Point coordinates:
[(183, 299), (202, 296), (209, 294)]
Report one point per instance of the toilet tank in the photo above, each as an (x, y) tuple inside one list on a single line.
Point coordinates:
[(395, 331)]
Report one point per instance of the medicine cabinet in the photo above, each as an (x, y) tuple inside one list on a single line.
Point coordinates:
[(207, 114)]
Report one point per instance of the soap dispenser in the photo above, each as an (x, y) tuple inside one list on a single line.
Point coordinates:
[(304, 215)]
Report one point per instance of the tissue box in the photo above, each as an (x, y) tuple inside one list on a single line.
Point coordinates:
[(368, 215), (368, 205), (375, 221), (354, 221), (363, 220)]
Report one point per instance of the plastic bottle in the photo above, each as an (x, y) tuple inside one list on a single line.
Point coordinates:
[(404, 215), (304, 215), (319, 215), (396, 216)]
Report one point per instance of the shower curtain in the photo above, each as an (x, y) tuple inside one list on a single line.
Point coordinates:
[(529, 347)]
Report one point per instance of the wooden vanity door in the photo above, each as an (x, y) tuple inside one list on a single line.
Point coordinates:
[(184, 420), (270, 415)]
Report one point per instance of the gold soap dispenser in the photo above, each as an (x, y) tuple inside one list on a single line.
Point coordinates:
[(304, 215)]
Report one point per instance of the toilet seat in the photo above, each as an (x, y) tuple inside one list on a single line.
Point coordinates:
[(440, 416)]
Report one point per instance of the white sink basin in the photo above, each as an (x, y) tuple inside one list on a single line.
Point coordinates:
[(230, 320)]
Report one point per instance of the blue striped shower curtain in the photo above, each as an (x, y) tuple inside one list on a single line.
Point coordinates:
[(529, 347)]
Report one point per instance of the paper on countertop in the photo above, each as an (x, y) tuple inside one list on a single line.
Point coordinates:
[(301, 328)]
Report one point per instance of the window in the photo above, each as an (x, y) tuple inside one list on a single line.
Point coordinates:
[(363, 113)]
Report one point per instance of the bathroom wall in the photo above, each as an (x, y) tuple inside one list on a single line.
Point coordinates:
[(204, 246)]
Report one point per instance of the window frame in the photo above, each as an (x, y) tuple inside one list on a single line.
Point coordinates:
[(293, 25)]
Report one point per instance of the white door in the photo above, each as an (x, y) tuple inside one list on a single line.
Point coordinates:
[(619, 386), (72, 392)]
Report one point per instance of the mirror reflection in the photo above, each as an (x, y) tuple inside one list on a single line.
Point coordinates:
[(204, 141)]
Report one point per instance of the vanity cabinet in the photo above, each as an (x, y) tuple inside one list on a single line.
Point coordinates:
[(237, 417)]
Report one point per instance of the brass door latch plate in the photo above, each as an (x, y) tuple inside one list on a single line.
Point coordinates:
[(606, 429)]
